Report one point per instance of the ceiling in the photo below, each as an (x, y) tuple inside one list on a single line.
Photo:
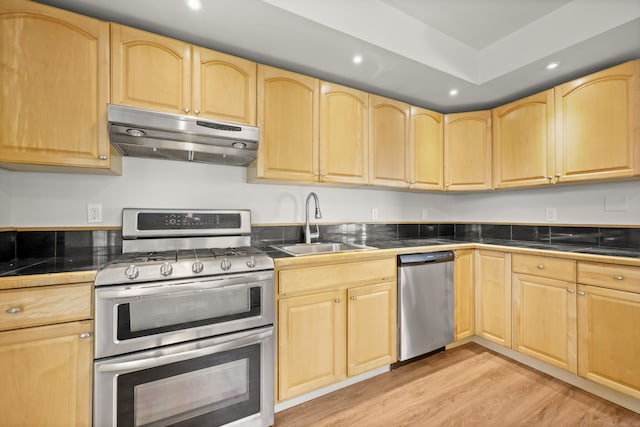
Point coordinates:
[(491, 51)]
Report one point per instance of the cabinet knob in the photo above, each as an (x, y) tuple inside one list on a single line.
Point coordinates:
[(581, 293), (540, 266), (570, 290), (618, 277), (338, 300), (353, 298), (186, 109), (102, 157), (14, 310), (196, 111), (85, 335)]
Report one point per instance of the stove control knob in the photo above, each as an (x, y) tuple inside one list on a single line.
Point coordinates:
[(166, 269), (225, 264), (131, 272), (197, 267), (251, 262)]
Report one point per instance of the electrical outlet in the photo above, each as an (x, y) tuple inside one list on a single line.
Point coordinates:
[(551, 214), (425, 213), (94, 213), (374, 213)]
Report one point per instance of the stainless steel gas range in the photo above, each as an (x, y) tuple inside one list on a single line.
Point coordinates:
[(184, 323)]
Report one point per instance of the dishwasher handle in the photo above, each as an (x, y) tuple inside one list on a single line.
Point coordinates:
[(425, 258)]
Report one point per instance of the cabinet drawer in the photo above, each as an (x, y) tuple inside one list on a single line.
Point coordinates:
[(543, 266), (21, 308), (336, 275), (623, 277)]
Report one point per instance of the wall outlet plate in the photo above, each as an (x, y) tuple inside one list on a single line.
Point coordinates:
[(551, 214), (374, 213), (425, 213), (94, 213)]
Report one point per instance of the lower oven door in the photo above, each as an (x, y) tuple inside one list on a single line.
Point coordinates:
[(213, 382), (136, 317)]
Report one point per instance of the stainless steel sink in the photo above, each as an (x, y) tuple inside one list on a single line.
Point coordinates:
[(300, 249)]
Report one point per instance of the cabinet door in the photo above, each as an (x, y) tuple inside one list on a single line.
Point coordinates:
[(426, 147), (467, 151), (288, 122), (544, 320), (597, 118), (463, 295), (389, 136), (311, 342), (46, 376), (150, 71), (371, 335), (224, 87), (523, 142), (54, 77), (609, 338), (343, 134), (493, 296)]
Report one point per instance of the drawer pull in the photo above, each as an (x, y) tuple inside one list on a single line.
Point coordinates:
[(85, 335), (14, 310), (570, 290), (618, 277), (540, 266)]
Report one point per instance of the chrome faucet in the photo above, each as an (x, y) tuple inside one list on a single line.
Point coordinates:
[(308, 235)]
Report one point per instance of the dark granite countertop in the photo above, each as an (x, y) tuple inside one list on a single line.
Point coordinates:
[(87, 259)]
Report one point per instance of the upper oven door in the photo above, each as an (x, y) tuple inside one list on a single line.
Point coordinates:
[(138, 317)]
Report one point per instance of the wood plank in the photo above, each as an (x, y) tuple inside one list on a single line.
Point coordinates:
[(469, 386)]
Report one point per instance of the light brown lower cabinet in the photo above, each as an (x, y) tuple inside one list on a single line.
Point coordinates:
[(46, 375), (463, 295), (325, 336), (493, 296)]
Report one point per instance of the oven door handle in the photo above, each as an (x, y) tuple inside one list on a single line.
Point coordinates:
[(135, 365), (168, 290)]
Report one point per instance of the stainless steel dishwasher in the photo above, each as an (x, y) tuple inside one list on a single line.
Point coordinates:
[(425, 303)]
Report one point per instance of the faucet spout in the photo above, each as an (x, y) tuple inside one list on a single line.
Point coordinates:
[(308, 235)]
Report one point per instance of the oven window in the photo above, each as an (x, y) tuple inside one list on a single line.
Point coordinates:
[(210, 390), (151, 316)]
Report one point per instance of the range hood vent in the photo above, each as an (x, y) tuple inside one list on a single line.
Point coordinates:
[(142, 133)]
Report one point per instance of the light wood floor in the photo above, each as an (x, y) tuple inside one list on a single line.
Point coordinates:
[(465, 386)]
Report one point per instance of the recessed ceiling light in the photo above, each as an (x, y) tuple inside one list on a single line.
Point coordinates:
[(453, 92), (553, 65), (357, 59), (194, 4)]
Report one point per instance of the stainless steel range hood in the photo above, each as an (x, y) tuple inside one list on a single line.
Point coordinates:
[(142, 133)]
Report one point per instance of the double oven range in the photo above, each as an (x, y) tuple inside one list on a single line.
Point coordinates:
[(184, 323)]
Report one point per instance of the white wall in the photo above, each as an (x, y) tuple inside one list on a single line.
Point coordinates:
[(47, 199), (29, 199), (5, 198), (575, 204)]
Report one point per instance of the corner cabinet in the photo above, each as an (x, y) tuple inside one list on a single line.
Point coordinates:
[(523, 142), (597, 121), (54, 75), (288, 106), (389, 137), (493, 296), (163, 74), (463, 295), (46, 355), (335, 320), (426, 146), (467, 151)]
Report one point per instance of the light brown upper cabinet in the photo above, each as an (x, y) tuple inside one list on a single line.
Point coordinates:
[(344, 143), (54, 77), (288, 120), (164, 74), (597, 120), (389, 136), (523, 142), (426, 147), (467, 151)]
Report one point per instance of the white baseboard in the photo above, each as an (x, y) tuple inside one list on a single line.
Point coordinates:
[(584, 384), (281, 406)]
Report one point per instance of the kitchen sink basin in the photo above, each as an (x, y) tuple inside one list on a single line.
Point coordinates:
[(300, 249)]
